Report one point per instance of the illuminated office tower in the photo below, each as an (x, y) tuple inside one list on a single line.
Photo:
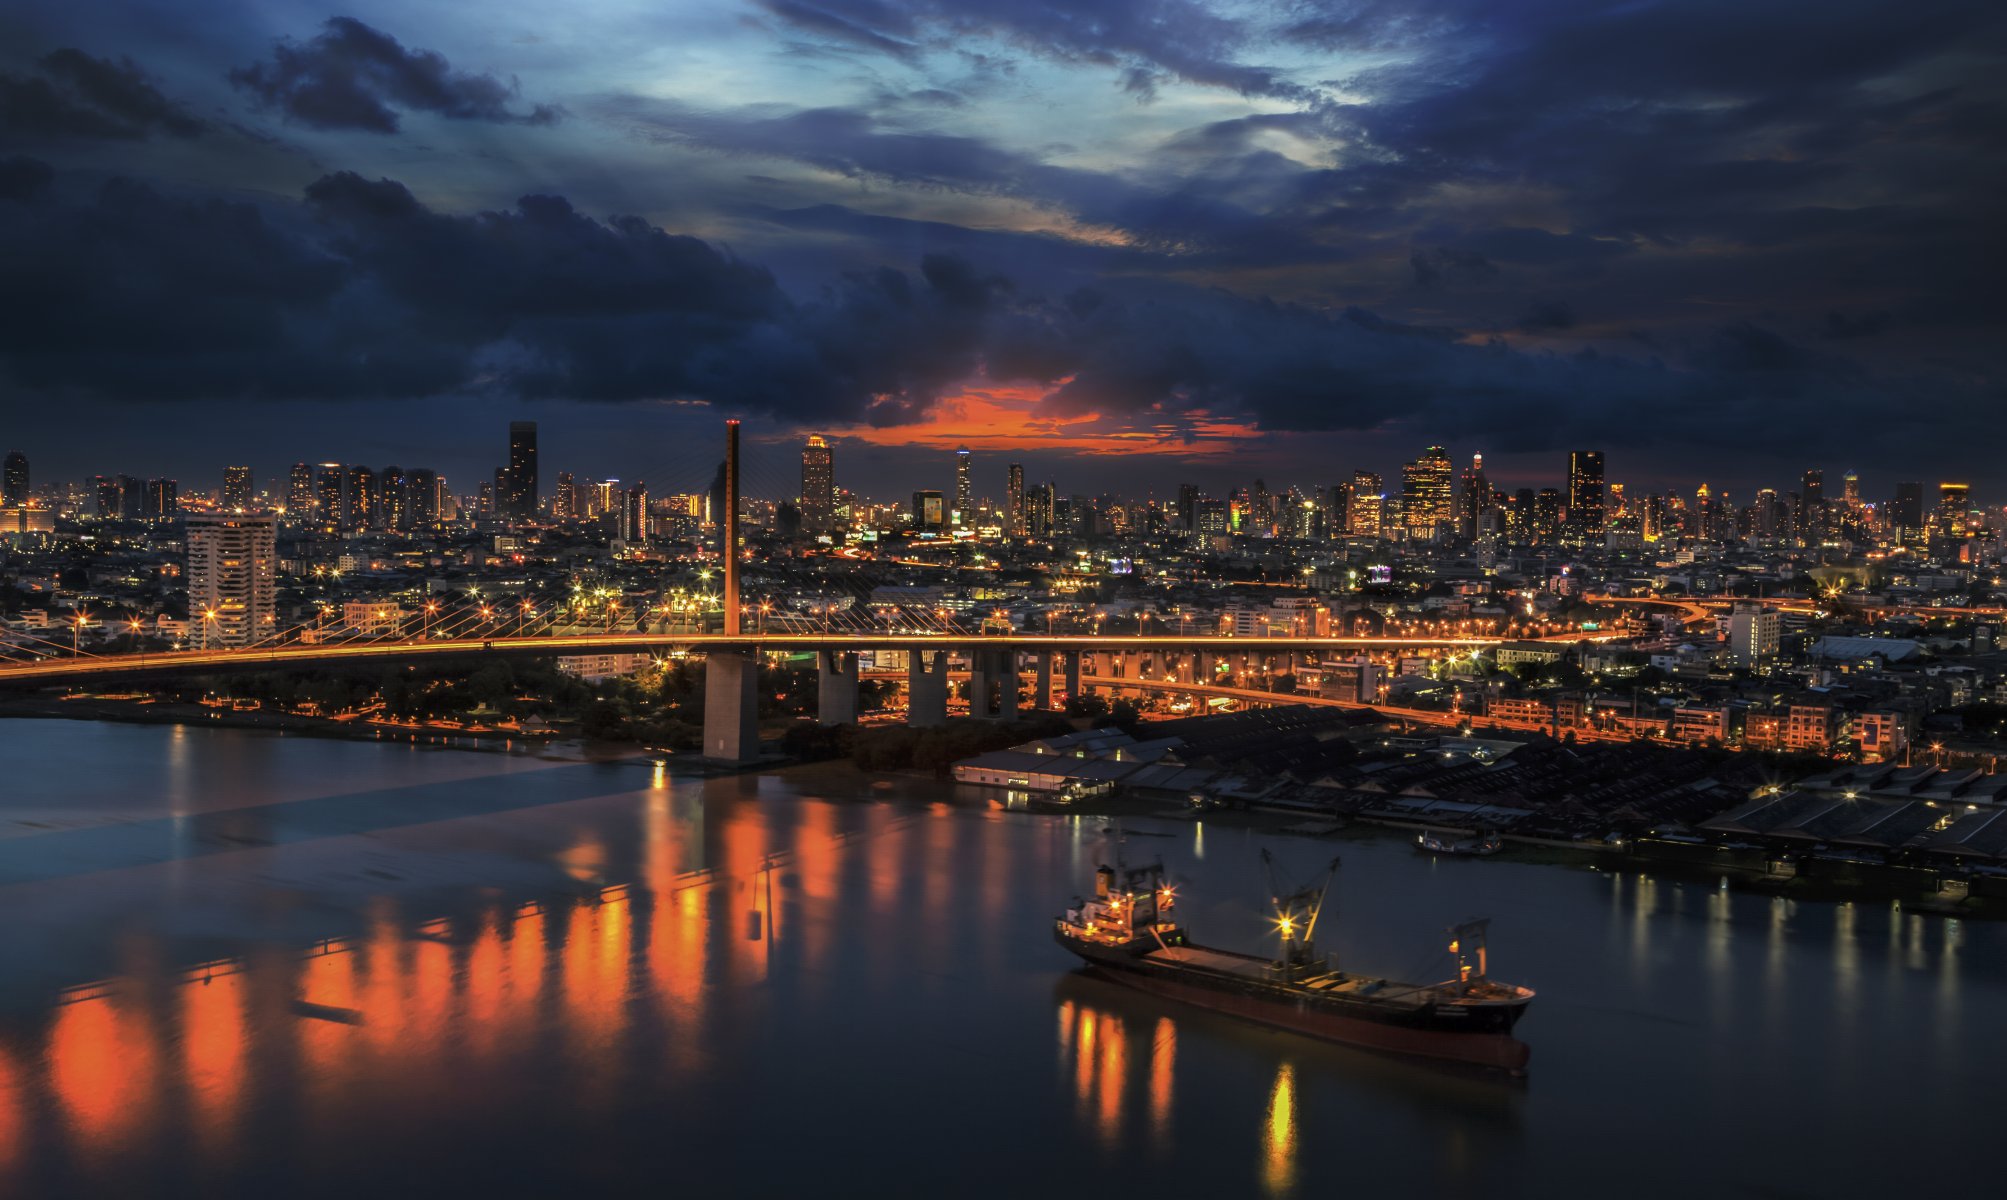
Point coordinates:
[(237, 488), (230, 578), (634, 515), (1953, 504), (1585, 489), (1428, 502), (965, 505), (330, 492), (362, 498), (818, 487), (14, 478), (516, 487), (300, 493), (1014, 502), (1368, 512)]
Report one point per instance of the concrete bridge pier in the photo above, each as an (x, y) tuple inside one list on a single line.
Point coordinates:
[(1007, 681), (836, 687), (1070, 671), (926, 688), (993, 685), (731, 705), (1041, 687)]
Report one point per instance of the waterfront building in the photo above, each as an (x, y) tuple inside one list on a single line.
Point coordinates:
[(230, 569)]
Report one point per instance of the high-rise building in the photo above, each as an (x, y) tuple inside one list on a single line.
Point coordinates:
[(1428, 504), (564, 503), (1039, 506), (300, 493), (599, 497), (238, 489), (927, 510), (426, 504), (230, 578), (163, 500), (1906, 509), (363, 496), (818, 487), (1014, 501), (1953, 504), (516, 488), (1368, 513), (1585, 489), (634, 514), (965, 504), (1474, 501), (14, 478), (330, 496), (393, 500)]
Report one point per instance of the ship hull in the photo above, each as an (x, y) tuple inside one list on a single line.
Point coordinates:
[(1481, 1037)]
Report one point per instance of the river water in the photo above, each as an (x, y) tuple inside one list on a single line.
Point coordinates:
[(238, 964)]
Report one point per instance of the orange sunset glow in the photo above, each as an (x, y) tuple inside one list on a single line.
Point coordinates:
[(992, 416)]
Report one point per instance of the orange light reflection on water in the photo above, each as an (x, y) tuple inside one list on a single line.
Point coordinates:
[(102, 1064), (213, 1050)]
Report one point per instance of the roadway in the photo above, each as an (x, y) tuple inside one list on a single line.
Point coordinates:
[(197, 662)]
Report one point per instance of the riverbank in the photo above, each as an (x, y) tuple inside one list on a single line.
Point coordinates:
[(1810, 878), (146, 711)]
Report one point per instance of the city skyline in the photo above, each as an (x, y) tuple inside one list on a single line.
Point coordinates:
[(1267, 239)]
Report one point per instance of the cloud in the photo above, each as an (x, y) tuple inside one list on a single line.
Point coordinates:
[(73, 95), (363, 291), (1138, 40), (352, 76)]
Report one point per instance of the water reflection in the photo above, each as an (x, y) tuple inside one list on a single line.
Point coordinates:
[(1278, 1141), (900, 950)]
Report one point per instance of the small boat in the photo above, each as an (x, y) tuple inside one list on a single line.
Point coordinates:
[(1127, 934), (1476, 846)]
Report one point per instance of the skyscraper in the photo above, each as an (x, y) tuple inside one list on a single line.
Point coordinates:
[(818, 487), (1014, 502), (1585, 489), (424, 504), (362, 498), (330, 491), (927, 512), (300, 493), (516, 491), (163, 499), (1474, 501), (564, 503), (230, 578), (634, 515), (1906, 509), (237, 488), (965, 511), (1367, 514), (14, 478), (1427, 496)]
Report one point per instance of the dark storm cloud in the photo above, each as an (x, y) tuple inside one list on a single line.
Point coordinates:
[(363, 291), (73, 95), (354, 77)]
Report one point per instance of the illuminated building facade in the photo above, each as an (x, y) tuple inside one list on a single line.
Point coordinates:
[(1585, 489), (818, 487), (237, 488), (230, 571)]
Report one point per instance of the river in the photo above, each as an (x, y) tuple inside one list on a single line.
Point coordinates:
[(241, 964)]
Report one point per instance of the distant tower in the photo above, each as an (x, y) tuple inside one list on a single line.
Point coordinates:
[(818, 487), (14, 479), (1585, 489), (1014, 502), (237, 488), (518, 499), (230, 578), (300, 493), (965, 513)]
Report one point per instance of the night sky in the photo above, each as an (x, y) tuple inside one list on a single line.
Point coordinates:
[(1129, 242)]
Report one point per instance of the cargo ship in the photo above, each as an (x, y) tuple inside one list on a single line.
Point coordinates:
[(1127, 933)]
